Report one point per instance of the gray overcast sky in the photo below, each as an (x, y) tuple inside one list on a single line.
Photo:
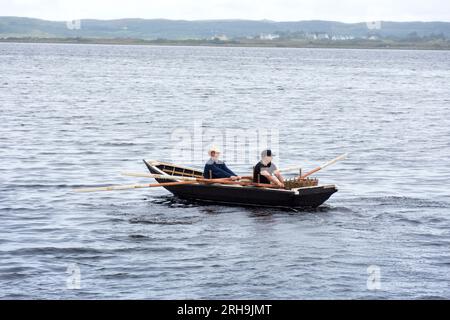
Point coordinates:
[(279, 10)]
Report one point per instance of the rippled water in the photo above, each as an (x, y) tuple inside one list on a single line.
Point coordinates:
[(75, 115)]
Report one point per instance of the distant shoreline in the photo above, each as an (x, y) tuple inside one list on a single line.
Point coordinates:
[(341, 44)]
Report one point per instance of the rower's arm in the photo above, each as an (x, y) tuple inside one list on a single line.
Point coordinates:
[(225, 168), (271, 178), (279, 176), (216, 172)]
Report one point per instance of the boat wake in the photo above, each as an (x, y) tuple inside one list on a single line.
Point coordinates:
[(404, 202), (163, 220)]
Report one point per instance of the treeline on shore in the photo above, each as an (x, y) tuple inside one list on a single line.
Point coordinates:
[(432, 44)]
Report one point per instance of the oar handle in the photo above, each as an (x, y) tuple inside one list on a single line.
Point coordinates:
[(310, 173), (329, 163)]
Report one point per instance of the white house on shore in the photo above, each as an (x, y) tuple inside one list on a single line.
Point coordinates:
[(318, 36), (268, 36), (341, 37), (219, 37)]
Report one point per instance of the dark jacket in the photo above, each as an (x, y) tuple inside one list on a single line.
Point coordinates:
[(216, 170)]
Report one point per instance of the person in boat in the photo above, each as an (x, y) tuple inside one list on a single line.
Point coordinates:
[(217, 169), (266, 171)]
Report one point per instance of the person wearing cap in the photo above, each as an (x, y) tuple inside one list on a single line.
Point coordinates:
[(217, 169), (266, 171)]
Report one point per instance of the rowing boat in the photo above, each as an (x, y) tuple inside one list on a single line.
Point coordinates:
[(310, 196)]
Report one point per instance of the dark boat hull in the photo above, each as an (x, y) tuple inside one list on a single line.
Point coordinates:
[(310, 197)]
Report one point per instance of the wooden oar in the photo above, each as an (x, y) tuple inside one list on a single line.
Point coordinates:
[(185, 180), (329, 163), (169, 177), (154, 185), (200, 180), (134, 186)]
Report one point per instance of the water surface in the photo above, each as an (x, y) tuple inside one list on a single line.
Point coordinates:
[(74, 115)]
